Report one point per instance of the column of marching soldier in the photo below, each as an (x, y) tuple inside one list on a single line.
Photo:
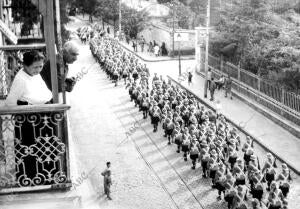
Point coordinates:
[(206, 137)]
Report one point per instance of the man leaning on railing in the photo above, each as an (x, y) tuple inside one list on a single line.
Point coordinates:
[(70, 53)]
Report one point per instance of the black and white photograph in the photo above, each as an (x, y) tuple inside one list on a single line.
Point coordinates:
[(149, 104)]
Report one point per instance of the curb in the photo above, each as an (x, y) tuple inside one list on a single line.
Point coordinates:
[(161, 60), (238, 127)]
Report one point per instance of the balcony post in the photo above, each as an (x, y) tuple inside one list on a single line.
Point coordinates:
[(50, 42)]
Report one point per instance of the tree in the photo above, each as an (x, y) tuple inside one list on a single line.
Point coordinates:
[(268, 45), (181, 13), (199, 8), (133, 21), (25, 12), (108, 10), (87, 6)]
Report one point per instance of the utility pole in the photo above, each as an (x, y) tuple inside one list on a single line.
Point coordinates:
[(173, 31), (120, 21), (206, 45), (179, 57)]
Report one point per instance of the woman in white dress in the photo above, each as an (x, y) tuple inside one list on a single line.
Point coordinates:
[(35, 133), (28, 87)]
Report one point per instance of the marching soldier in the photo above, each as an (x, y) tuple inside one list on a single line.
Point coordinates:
[(275, 197), (269, 170), (204, 159), (220, 181), (169, 129), (239, 199), (213, 167), (232, 157), (194, 153), (139, 99), (257, 190), (135, 74), (247, 144), (185, 145), (256, 204), (178, 138), (230, 192), (125, 75), (145, 106), (156, 116), (283, 179), (240, 176), (135, 93), (247, 156)]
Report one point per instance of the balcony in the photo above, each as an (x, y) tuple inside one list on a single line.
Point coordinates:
[(34, 148)]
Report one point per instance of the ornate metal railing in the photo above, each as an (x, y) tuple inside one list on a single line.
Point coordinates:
[(34, 149), (276, 98), (289, 99)]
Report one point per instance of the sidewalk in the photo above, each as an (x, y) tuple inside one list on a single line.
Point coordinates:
[(268, 133), (150, 57)]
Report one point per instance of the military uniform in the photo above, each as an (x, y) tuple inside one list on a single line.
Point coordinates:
[(185, 146), (194, 152)]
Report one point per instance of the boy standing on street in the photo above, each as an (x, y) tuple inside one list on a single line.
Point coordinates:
[(107, 184), (107, 180)]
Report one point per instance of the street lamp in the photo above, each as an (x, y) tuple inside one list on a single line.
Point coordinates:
[(120, 20), (179, 52), (173, 27)]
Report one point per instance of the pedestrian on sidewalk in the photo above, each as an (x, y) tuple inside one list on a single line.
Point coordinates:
[(127, 39), (209, 76), (164, 51), (228, 85), (150, 48), (212, 88), (107, 180), (190, 76), (220, 83), (134, 45), (142, 43), (156, 50)]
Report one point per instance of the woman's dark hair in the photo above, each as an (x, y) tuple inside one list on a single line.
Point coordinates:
[(31, 57)]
